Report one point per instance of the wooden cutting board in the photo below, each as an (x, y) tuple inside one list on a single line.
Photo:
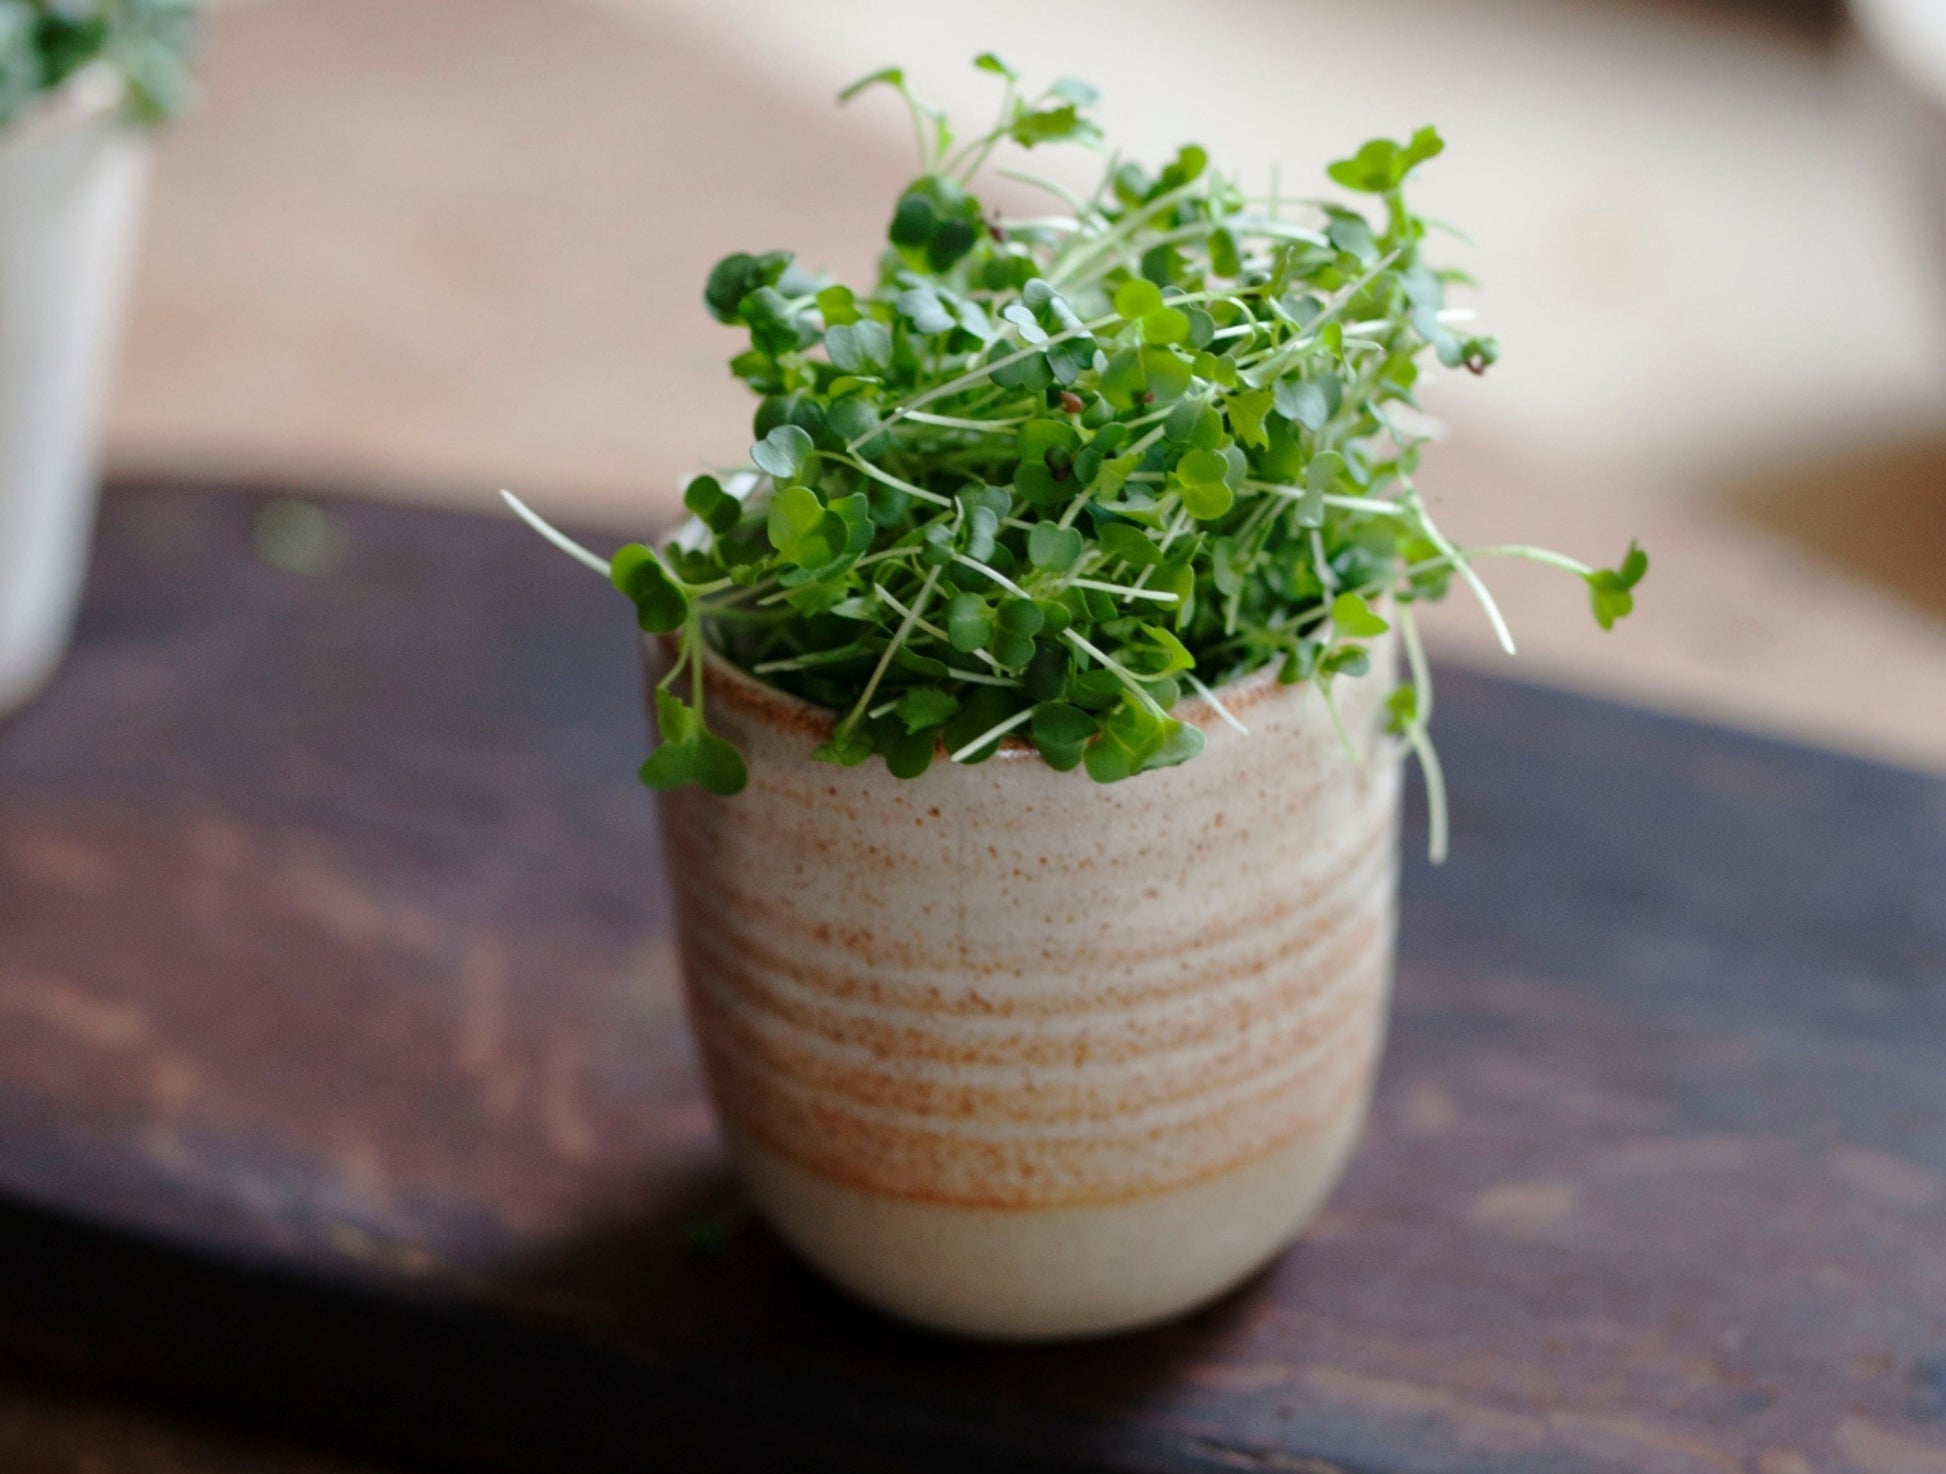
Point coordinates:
[(344, 1087)]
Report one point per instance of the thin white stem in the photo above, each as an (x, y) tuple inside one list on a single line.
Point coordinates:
[(1000, 729), (1093, 207), (554, 535), (1369, 505), (1215, 705), (1034, 225), (979, 680), (1403, 439), (950, 422), (1075, 506), (1448, 227), (967, 162), (1124, 590), (879, 557), (1415, 661), (885, 658), (905, 552), (1337, 721), (888, 479), (1435, 776), (1465, 569), (1060, 192), (918, 130), (1242, 225), (980, 371), (1375, 506), (1121, 673), (1181, 524), (993, 573), (1327, 575), (928, 627), (1065, 269), (1289, 354), (682, 661), (887, 596), (692, 646), (969, 379), (973, 376), (1417, 737), (1534, 555), (803, 662)]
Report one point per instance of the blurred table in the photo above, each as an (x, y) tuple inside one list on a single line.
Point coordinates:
[(344, 1089)]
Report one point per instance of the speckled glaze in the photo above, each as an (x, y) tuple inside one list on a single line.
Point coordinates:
[(1014, 1054)]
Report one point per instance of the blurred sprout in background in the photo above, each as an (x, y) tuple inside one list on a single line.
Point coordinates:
[(43, 43)]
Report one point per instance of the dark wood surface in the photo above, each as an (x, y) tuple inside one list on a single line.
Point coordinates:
[(51, 1425), (344, 1090)]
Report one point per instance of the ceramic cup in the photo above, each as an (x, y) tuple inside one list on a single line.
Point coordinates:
[(1014, 1054), (71, 177)]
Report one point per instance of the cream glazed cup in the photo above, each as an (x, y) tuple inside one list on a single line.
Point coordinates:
[(1013, 1054), (71, 182)]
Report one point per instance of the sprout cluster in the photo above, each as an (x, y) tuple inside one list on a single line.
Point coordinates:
[(1047, 476)]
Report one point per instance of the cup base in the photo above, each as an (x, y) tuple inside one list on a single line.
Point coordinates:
[(1042, 1274)]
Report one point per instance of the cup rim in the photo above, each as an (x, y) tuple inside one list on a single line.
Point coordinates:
[(753, 697), (780, 711)]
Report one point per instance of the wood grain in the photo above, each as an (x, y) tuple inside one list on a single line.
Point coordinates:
[(343, 1085)]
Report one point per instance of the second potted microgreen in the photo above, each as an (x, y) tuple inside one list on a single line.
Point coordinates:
[(81, 84)]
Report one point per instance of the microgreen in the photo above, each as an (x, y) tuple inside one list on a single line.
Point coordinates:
[(1045, 477), (146, 42)]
